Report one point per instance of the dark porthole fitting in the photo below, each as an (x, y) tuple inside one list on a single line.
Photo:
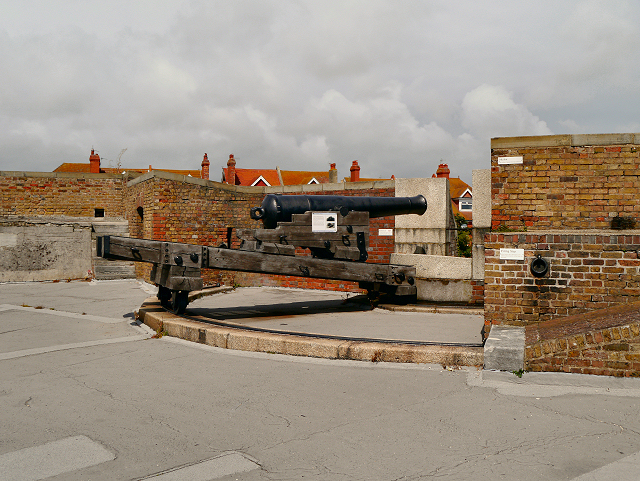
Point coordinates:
[(539, 267)]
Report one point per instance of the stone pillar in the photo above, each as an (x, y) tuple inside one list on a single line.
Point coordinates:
[(481, 185)]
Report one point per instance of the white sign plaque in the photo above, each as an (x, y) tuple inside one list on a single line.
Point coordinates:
[(509, 160), (324, 222), (512, 254), (385, 231)]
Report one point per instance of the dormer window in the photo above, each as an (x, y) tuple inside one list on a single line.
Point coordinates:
[(313, 181), (261, 181), (466, 205)]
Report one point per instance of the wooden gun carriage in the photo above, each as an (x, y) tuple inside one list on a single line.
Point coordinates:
[(334, 228)]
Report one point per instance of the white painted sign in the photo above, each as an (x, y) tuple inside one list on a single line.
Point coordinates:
[(385, 231), (512, 254), (324, 222), (509, 160)]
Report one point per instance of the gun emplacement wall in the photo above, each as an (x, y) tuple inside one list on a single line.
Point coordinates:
[(573, 200)]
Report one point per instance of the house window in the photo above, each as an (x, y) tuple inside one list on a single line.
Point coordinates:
[(98, 213), (465, 205)]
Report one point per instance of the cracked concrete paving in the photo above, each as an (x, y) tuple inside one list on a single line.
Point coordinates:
[(158, 404)]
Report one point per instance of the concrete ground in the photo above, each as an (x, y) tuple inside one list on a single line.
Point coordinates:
[(335, 313), (85, 393)]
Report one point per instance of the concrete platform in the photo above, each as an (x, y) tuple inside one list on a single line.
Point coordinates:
[(322, 324)]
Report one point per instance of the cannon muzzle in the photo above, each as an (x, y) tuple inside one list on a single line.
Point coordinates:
[(280, 208)]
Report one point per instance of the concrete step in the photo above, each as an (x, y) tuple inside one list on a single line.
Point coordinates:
[(104, 269), (118, 229), (115, 270)]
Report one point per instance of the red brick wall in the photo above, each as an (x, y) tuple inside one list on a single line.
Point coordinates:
[(55, 194), (564, 187), (201, 213), (561, 201), (586, 272), (175, 209)]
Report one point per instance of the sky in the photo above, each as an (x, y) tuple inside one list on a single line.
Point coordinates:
[(400, 86)]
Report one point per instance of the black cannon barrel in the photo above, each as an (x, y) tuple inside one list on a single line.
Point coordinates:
[(280, 208)]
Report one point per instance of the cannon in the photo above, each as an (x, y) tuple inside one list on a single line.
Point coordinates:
[(281, 208), (330, 226), (335, 230)]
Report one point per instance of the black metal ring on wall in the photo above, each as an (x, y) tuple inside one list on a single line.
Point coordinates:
[(539, 267)]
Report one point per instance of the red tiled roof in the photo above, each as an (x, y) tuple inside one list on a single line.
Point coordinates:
[(71, 167), (289, 177), (249, 176), (297, 177), (457, 187)]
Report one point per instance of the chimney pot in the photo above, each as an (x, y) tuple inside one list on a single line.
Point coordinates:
[(355, 171), (205, 167), (94, 163), (231, 170)]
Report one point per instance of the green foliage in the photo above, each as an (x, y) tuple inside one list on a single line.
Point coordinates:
[(464, 237)]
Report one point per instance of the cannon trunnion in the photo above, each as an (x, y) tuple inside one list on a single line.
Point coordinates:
[(335, 229)]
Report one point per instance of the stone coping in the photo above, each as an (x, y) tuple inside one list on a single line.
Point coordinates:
[(238, 338), (578, 140)]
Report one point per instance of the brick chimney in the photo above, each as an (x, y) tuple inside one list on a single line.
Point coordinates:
[(94, 163), (205, 167), (443, 171), (333, 174), (231, 170), (355, 171)]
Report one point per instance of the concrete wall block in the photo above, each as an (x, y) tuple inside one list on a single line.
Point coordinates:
[(445, 290), (436, 191), (44, 252), (420, 236), (436, 267)]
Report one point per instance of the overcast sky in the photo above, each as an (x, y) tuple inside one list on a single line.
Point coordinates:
[(397, 85)]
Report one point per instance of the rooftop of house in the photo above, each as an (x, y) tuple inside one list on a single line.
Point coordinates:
[(94, 167), (272, 177), (458, 189)]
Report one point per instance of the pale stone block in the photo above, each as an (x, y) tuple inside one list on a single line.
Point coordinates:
[(481, 198), (436, 267), (436, 192)]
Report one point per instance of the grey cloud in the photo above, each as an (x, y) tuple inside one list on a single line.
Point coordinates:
[(299, 84)]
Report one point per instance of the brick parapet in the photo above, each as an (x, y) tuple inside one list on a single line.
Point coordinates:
[(202, 212), (565, 181), (33, 193)]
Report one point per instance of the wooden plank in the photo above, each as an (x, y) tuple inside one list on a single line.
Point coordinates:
[(126, 248), (247, 261)]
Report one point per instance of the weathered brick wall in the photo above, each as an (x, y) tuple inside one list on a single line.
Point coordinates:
[(54, 194), (561, 203), (565, 182), (587, 271), (177, 209), (603, 342)]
